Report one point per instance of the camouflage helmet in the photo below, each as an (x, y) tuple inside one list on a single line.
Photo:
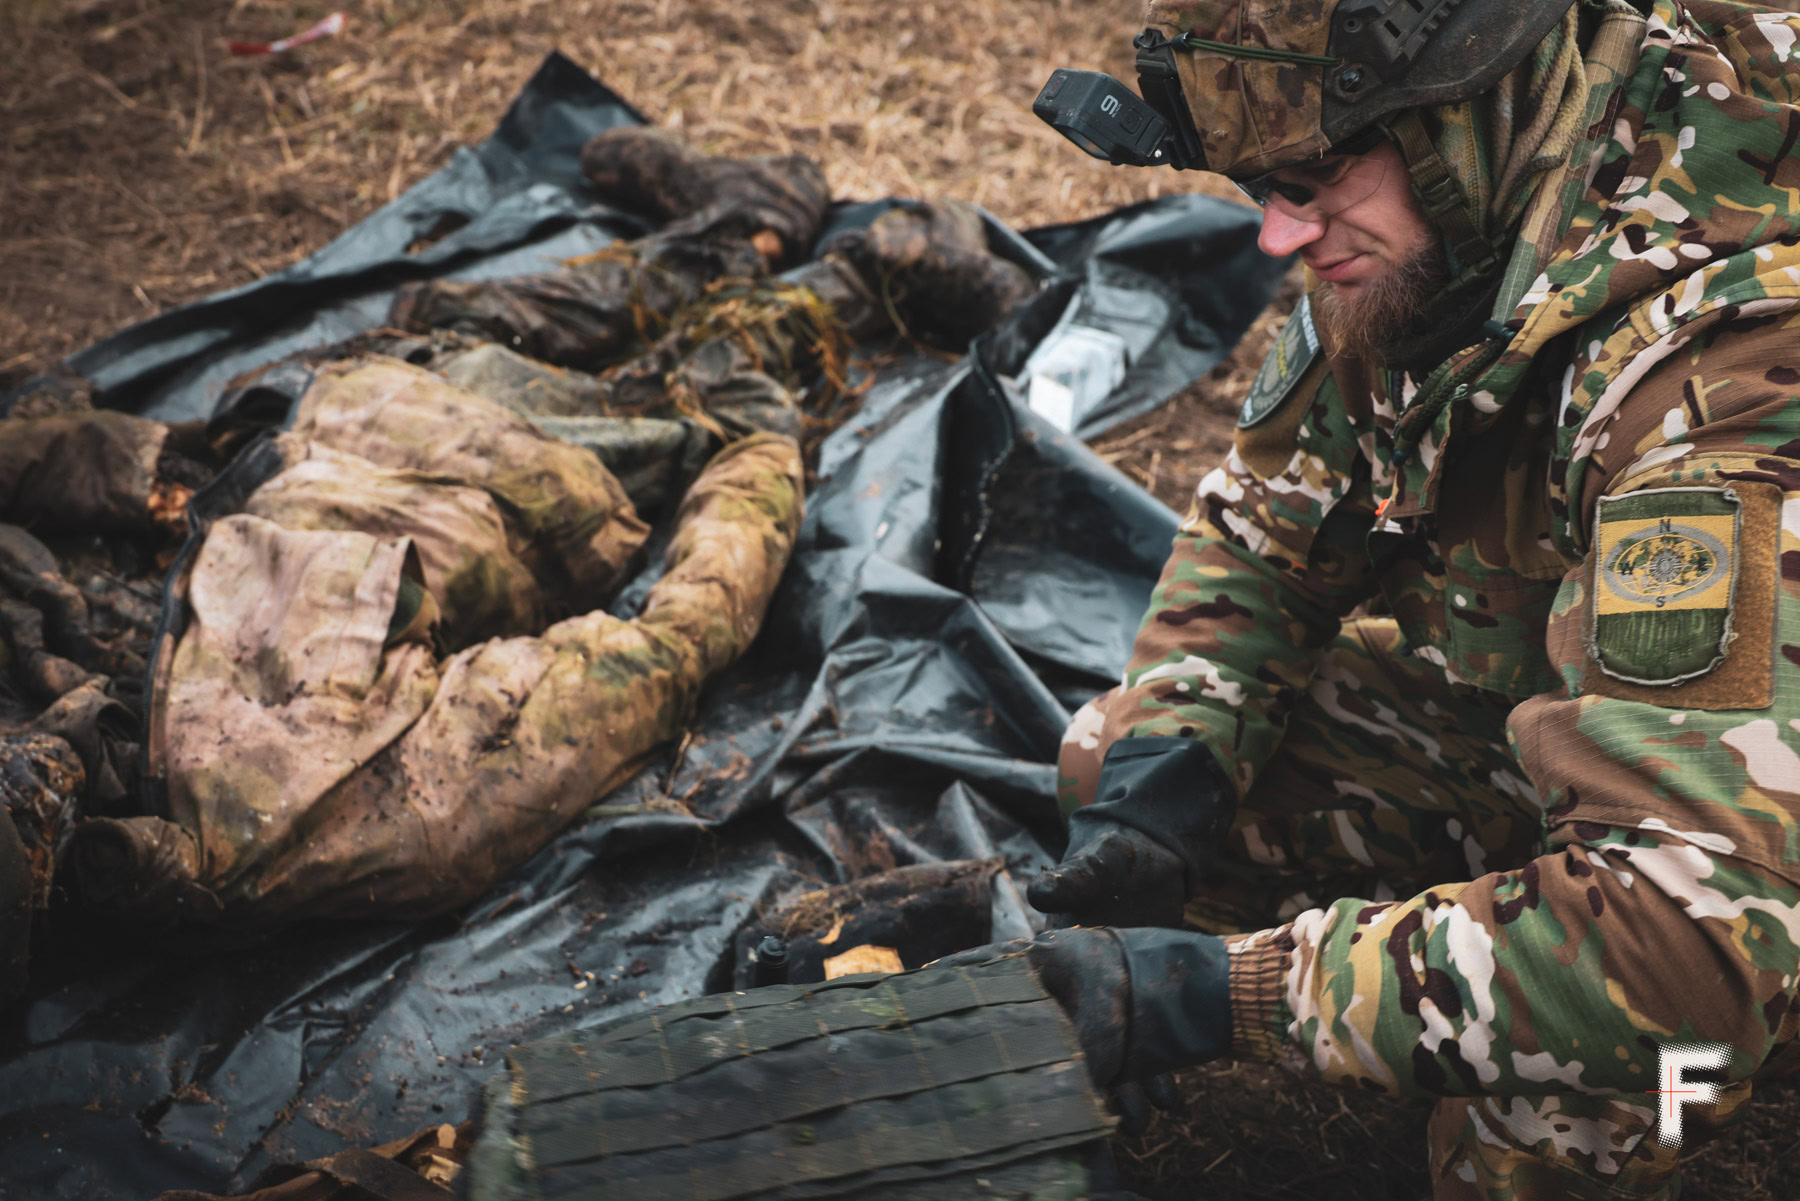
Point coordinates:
[(1271, 83)]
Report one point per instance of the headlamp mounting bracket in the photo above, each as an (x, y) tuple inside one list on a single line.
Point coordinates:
[(1385, 35), (1159, 83)]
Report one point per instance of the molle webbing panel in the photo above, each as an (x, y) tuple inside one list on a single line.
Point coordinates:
[(852, 1088)]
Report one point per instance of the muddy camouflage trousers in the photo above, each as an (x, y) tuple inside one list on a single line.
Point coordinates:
[(1388, 783)]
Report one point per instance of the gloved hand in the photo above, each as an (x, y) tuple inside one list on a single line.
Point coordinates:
[(1140, 850), (1143, 1002), (1134, 1100)]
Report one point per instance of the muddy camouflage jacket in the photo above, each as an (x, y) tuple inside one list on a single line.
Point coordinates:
[(387, 677), (1595, 509)]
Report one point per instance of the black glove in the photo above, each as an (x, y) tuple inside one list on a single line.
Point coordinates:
[(1143, 1002), (1140, 850), (1134, 1100)]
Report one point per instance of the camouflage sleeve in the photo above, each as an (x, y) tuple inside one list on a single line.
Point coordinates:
[(1666, 907), (1269, 560)]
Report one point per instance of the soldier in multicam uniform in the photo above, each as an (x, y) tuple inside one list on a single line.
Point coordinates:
[(1473, 679)]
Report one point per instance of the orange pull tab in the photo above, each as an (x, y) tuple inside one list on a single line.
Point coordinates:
[(1382, 508)]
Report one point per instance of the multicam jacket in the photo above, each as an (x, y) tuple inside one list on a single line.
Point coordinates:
[(388, 680), (1595, 509)]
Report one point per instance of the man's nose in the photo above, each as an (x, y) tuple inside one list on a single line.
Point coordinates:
[(1282, 233)]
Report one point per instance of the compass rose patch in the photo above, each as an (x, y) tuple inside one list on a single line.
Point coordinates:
[(1665, 582)]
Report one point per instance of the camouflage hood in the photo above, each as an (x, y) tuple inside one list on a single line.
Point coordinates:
[(1671, 214)]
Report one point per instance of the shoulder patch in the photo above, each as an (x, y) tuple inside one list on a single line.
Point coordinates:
[(1666, 567), (1293, 353)]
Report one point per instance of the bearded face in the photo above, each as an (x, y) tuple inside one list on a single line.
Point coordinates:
[(1369, 319), (1356, 224)]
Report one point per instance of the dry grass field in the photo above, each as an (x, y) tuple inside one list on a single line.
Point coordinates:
[(142, 166)]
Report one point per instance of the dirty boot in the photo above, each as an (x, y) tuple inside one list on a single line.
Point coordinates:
[(723, 219), (649, 172), (100, 472)]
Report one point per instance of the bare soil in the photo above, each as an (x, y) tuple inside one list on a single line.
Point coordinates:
[(141, 166)]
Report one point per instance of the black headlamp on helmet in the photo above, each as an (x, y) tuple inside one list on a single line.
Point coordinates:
[(1111, 122)]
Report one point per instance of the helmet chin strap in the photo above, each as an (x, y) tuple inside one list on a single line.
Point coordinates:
[(1445, 203)]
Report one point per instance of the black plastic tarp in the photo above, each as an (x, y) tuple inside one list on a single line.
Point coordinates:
[(967, 574)]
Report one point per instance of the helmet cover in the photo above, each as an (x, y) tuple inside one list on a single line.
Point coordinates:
[(1272, 83)]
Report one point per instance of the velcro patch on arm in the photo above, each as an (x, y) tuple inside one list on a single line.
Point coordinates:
[(1710, 643), (1666, 575), (1682, 608)]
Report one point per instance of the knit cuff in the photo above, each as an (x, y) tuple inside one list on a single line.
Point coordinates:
[(1258, 986)]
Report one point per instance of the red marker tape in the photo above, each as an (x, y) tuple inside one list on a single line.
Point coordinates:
[(324, 29)]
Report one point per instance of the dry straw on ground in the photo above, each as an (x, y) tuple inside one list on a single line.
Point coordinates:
[(141, 167)]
